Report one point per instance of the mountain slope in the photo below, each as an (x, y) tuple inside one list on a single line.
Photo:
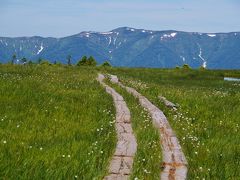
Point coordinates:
[(132, 47)]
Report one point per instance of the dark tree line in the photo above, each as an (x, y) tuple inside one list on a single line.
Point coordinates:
[(84, 61)]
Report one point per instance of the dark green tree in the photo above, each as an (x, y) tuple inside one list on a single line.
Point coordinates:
[(177, 67), (91, 61), (24, 60), (14, 58), (83, 61), (106, 64), (30, 62), (39, 60), (69, 57), (87, 61), (186, 66)]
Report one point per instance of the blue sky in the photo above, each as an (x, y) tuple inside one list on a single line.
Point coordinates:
[(58, 18)]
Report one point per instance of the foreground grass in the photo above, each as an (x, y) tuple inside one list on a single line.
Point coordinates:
[(207, 122), (54, 123), (147, 160)]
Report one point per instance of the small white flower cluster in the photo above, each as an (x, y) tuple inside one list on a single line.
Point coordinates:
[(138, 84), (236, 84), (3, 118), (66, 156), (218, 93)]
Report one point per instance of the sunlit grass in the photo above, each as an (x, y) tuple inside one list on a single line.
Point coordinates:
[(207, 122), (58, 122), (54, 123)]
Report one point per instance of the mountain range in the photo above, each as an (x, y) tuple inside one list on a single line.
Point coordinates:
[(132, 47)]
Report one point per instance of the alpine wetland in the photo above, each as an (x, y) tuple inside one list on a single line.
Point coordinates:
[(139, 90)]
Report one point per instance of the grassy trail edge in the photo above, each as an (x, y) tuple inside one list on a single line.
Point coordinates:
[(174, 161)]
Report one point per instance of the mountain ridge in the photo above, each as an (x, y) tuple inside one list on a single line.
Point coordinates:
[(126, 46), (124, 27)]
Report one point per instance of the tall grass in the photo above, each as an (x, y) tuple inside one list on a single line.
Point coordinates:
[(58, 122), (54, 123), (207, 121)]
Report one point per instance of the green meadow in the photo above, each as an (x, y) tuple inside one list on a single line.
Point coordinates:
[(54, 123), (57, 122), (207, 122)]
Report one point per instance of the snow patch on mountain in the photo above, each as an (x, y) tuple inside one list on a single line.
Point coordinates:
[(106, 33), (211, 35), (183, 58), (172, 35), (41, 48), (110, 40), (200, 56), (85, 34), (114, 40)]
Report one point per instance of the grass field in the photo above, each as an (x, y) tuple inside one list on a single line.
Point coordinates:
[(58, 122), (207, 122), (54, 123)]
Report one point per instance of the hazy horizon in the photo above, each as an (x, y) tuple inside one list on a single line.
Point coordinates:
[(54, 18)]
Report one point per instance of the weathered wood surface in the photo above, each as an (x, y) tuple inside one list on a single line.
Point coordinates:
[(122, 161), (168, 103)]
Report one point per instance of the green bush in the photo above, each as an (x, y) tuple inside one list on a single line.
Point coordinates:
[(91, 61), (106, 64), (87, 61), (45, 62), (177, 67), (186, 66)]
